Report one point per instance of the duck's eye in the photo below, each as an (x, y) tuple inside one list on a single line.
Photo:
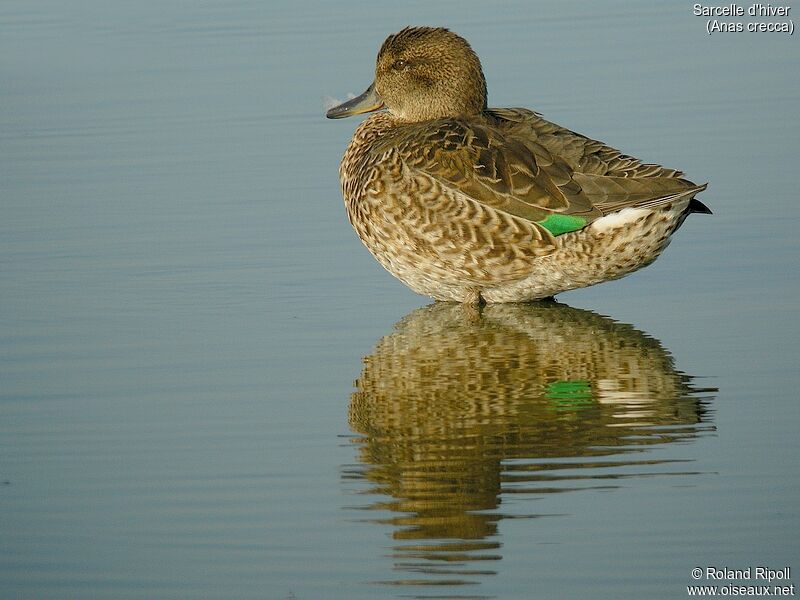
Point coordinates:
[(400, 65)]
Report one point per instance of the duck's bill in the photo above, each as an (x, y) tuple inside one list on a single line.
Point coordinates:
[(366, 102)]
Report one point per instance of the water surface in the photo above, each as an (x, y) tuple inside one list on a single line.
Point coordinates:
[(208, 388)]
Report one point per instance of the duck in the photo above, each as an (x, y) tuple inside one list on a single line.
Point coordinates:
[(471, 204)]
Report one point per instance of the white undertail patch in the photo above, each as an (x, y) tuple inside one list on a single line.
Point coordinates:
[(619, 219)]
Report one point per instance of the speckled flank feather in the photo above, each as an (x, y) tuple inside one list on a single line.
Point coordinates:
[(468, 204)]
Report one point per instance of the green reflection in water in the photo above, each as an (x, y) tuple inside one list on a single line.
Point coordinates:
[(459, 407)]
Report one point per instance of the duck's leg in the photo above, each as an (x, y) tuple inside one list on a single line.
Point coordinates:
[(473, 296)]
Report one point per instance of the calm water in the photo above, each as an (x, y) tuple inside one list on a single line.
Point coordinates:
[(209, 389)]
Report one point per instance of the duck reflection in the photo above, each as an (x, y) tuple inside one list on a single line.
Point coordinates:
[(459, 408)]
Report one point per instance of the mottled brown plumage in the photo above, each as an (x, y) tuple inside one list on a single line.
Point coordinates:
[(466, 203)]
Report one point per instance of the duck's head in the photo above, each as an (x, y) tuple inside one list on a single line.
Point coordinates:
[(422, 73)]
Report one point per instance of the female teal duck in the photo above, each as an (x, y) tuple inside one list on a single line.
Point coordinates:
[(473, 204)]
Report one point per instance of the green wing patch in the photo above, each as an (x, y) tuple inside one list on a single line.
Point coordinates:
[(558, 224), (569, 394)]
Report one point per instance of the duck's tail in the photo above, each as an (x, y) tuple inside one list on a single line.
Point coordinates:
[(695, 206)]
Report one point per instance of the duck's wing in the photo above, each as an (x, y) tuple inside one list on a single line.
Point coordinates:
[(582, 154), (498, 171), (610, 179)]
